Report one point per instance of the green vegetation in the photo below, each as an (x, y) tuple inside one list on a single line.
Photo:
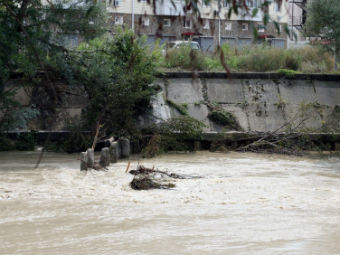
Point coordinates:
[(117, 74), (182, 109), (255, 59), (221, 117), (32, 37), (323, 21), (22, 142), (288, 72), (225, 119), (172, 135), (184, 57), (281, 104)]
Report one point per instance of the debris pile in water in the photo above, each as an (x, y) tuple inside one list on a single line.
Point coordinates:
[(151, 178)]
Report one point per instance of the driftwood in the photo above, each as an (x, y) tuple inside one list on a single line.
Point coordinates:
[(151, 178), (277, 141)]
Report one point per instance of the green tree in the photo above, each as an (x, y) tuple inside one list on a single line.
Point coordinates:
[(323, 20), (31, 46), (118, 75)]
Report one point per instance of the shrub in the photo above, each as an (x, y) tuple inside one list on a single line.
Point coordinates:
[(314, 60), (262, 60), (118, 76), (224, 118), (186, 58)]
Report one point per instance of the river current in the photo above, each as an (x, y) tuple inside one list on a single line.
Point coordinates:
[(244, 204)]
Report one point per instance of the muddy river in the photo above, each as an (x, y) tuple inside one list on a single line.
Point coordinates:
[(244, 204)]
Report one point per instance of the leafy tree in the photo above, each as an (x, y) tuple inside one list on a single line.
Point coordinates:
[(31, 44), (323, 20), (117, 74)]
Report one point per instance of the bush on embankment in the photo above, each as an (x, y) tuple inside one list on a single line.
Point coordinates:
[(255, 59)]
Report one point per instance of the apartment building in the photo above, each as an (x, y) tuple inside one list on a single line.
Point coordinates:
[(169, 20), (297, 10)]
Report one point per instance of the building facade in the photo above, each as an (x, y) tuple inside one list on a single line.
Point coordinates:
[(297, 10), (169, 20)]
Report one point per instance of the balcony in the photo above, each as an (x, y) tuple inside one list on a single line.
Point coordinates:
[(170, 7), (247, 15)]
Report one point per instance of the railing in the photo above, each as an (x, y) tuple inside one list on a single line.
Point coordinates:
[(170, 8)]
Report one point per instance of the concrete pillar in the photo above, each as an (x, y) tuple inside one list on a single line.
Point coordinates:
[(114, 153), (83, 161), (104, 160), (197, 145), (125, 146), (119, 149), (337, 146), (90, 158)]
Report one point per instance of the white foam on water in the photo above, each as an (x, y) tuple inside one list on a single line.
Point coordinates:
[(243, 204)]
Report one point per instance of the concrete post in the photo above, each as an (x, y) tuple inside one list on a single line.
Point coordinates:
[(83, 161), (119, 149), (104, 160), (90, 158), (125, 145), (114, 153)]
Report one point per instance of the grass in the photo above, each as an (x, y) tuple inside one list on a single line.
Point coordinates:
[(255, 59)]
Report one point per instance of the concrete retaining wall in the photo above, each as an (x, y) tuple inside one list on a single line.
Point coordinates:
[(259, 101)]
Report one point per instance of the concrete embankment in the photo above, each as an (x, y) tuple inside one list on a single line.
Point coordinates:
[(260, 102)]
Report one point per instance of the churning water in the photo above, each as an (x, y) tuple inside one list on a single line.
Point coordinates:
[(244, 204)]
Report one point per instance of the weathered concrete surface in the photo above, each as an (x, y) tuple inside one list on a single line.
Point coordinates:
[(104, 160), (90, 158), (114, 153), (83, 161), (125, 147), (260, 102)]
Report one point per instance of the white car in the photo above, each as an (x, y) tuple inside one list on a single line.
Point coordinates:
[(177, 44)]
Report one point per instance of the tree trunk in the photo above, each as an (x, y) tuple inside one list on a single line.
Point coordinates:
[(336, 59)]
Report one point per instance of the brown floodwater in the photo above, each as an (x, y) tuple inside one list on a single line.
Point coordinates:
[(244, 204)]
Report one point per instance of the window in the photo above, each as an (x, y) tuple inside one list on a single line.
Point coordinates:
[(225, 3), (206, 3), (251, 3), (187, 23), (206, 25), (115, 3), (260, 28), (277, 6), (146, 21), (244, 26), (166, 22), (119, 20), (228, 26)]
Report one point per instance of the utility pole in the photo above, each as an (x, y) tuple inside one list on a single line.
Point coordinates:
[(132, 16)]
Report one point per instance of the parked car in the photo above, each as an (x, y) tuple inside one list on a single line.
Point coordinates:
[(177, 44)]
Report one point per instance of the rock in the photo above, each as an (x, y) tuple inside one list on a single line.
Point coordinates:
[(83, 161), (104, 157), (125, 146), (144, 182), (90, 158), (114, 152)]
